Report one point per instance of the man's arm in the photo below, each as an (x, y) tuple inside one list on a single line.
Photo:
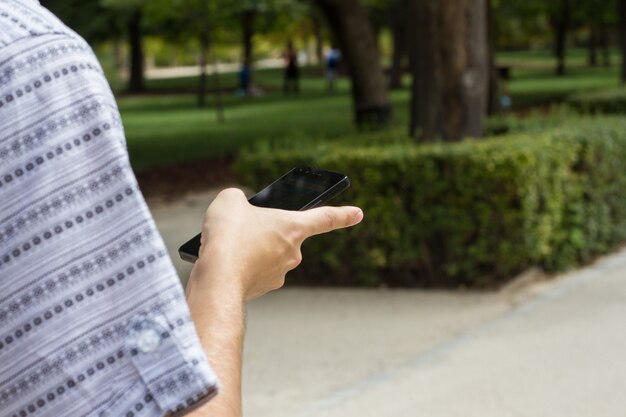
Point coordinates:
[(246, 252), (218, 312)]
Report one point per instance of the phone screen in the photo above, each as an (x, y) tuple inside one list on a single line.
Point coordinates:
[(295, 190)]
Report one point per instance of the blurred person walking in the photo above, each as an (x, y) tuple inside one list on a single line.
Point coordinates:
[(332, 64), (292, 72), (245, 78)]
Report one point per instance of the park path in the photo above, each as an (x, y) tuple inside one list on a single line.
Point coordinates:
[(543, 348), (154, 73)]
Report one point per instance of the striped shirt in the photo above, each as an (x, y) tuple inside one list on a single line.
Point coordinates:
[(93, 318)]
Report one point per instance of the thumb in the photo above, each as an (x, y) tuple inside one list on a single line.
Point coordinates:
[(326, 219)]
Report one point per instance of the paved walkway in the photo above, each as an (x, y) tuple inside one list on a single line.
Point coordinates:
[(194, 70), (555, 348)]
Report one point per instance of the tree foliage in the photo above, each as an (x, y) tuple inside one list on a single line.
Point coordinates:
[(94, 20)]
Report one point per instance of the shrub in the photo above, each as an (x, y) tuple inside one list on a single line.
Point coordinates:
[(600, 102), (468, 214)]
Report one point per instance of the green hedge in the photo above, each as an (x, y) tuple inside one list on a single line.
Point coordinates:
[(468, 214), (600, 102)]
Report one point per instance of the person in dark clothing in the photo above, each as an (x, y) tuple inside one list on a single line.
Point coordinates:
[(292, 72), (245, 76)]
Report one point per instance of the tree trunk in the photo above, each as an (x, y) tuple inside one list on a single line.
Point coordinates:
[(593, 45), (118, 55), (604, 44), (247, 26), (449, 55), (561, 24), (359, 49), (492, 88), (202, 81), (319, 36), (622, 37), (399, 29), (219, 105), (136, 82)]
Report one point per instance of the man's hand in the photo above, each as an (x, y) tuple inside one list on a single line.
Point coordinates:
[(245, 252), (261, 245)]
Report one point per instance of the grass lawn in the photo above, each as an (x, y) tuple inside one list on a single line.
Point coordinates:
[(534, 81), (166, 127), (576, 57), (534, 86)]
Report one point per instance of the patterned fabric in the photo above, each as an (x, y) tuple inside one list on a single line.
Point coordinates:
[(93, 318)]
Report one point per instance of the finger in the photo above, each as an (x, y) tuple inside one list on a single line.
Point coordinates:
[(232, 193), (326, 219)]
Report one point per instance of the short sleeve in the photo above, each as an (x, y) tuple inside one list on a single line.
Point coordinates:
[(93, 318)]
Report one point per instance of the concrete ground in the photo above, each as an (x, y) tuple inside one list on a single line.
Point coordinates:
[(541, 348)]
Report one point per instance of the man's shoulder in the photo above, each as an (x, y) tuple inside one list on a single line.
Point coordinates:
[(25, 19)]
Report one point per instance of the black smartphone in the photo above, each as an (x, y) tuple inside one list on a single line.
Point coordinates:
[(301, 188)]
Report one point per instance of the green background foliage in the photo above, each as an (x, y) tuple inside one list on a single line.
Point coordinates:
[(468, 214), (548, 193)]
